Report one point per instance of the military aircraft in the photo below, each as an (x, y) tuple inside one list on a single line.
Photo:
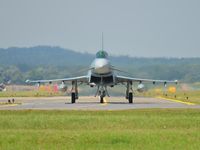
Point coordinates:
[(102, 74), (2, 87)]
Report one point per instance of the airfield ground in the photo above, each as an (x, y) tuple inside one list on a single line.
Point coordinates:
[(127, 129), (91, 103), (55, 123)]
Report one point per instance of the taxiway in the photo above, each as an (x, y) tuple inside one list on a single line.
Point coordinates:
[(91, 103)]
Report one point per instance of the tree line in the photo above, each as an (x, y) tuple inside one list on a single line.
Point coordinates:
[(186, 73), (44, 62)]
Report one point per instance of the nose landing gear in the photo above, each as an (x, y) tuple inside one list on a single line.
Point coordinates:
[(102, 93)]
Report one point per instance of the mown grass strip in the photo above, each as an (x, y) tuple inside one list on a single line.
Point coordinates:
[(130, 129), (175, 100)]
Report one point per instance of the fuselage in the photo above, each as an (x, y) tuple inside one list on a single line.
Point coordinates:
[(101, 70), (101, 66)]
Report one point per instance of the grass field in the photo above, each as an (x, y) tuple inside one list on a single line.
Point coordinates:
[(189, 96), (130, 129), (29, 94)]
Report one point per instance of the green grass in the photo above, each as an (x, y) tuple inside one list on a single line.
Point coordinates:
[(191, 96), (188, 96), (29, 94), (9, 103), (131, 129)]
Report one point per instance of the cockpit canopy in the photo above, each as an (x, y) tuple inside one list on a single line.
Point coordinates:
[(101, 54)]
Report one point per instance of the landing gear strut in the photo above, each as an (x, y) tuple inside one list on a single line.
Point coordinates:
[(102, 92), (74, 93), (129, 92)]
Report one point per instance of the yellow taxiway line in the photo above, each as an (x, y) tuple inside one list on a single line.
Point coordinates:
[(179, 101), (7, 105)]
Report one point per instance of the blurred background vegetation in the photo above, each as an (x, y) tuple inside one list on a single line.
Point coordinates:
[(44, 62)]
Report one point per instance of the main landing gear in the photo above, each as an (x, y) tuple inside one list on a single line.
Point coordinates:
[(129, 92), (74, 93), (101, 92), (130, 97)]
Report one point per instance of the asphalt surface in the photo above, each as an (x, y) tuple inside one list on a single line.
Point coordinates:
[(91, 103)]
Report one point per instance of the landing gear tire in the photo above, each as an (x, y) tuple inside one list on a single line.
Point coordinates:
[(130, 98), (73, 98), (101, 99)]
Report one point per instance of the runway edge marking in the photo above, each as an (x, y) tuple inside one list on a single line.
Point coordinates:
[(8, 105), (179, 101)]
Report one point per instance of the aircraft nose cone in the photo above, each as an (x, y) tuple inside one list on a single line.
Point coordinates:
[(102, 70), (102, 66)]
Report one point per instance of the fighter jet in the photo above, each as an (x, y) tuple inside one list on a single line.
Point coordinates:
[(102, 74)]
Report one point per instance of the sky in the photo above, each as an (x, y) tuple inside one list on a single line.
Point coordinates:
[(141, 28)]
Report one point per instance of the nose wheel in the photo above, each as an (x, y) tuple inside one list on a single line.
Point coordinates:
[(101, 99), (102, 92)]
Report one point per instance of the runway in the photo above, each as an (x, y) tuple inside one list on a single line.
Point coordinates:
[(91, 103)]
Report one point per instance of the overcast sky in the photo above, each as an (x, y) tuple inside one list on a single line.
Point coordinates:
[(148, 28)]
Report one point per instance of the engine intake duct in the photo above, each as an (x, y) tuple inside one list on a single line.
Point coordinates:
[(105, 80)]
